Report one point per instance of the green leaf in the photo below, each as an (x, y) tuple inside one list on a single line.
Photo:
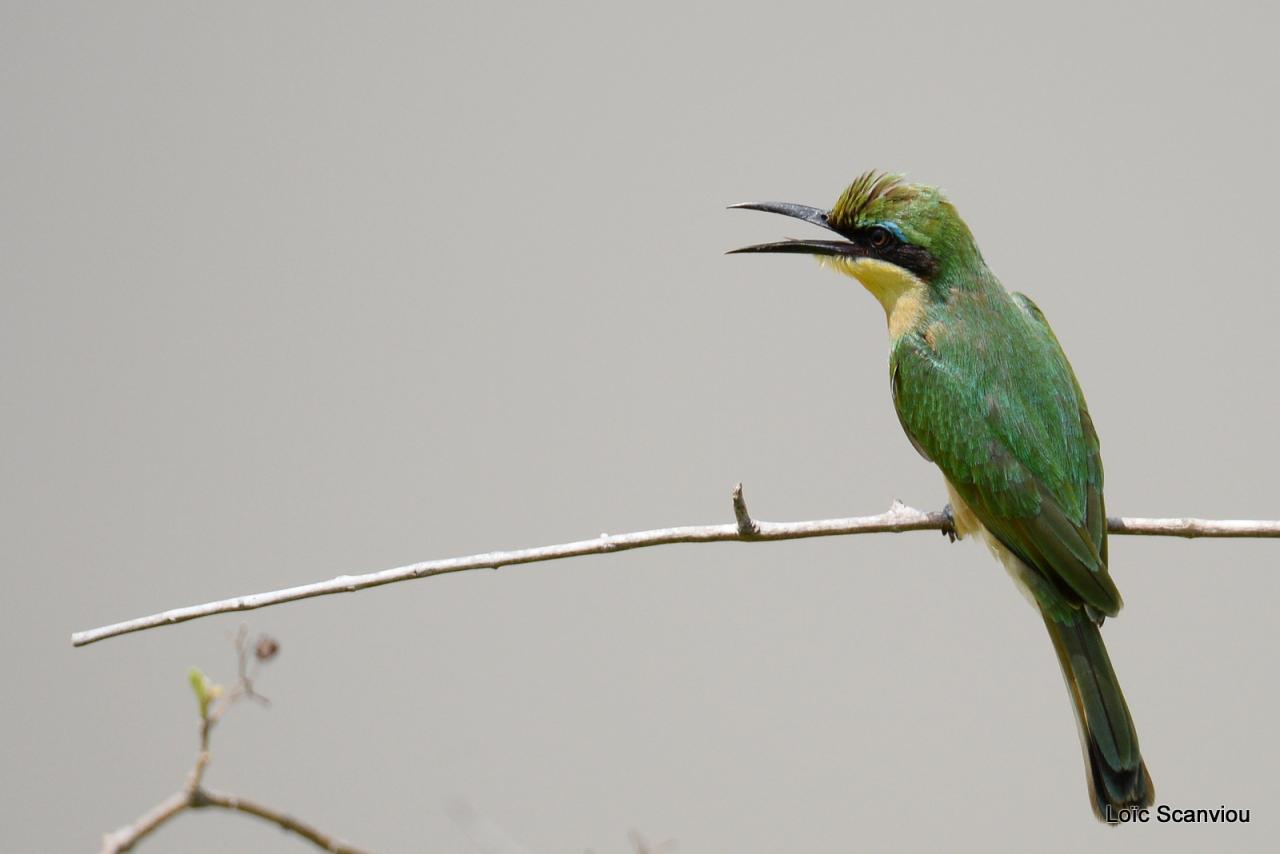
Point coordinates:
[(203, 690)]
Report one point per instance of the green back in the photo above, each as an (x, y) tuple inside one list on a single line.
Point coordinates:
[(983, 389)]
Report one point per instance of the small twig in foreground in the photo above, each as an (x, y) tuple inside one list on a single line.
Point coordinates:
[(898, 519), (214, 702), (643, 846)]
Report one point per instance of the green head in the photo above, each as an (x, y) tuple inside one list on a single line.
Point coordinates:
[(899, 238)]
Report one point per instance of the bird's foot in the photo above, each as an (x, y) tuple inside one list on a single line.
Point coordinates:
[(949, 525)]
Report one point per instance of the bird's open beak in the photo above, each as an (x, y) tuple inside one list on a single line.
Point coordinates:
[(814, 216)]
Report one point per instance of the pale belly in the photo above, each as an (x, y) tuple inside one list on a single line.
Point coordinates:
[(967, 522)]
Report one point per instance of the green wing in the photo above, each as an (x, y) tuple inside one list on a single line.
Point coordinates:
[(989, 396)]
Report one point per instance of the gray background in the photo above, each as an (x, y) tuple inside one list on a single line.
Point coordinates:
[(294, 290)]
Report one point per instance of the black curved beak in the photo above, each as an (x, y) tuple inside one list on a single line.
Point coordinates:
[(813, 216)]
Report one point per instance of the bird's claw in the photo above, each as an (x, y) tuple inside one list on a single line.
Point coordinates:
[(949, 526)]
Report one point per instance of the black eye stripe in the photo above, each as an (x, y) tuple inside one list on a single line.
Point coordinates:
[(914, 258), (884, 244)]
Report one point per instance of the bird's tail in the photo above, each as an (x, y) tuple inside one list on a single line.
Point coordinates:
[(1118, 777)]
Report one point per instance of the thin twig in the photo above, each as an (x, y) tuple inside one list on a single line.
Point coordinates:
[(1193, 528), (747, 527), (899, 518), (131, 834), (193, 795), (209, 798), (197, 797)]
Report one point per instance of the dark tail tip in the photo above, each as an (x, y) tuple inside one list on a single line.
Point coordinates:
[(1118, 790)]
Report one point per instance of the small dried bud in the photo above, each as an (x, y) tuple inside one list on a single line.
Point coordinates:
[(266, 648)]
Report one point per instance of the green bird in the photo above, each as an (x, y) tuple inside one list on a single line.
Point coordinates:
[(984, 391)]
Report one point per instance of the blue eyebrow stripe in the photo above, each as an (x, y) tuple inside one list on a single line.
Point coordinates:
[(892, 227)]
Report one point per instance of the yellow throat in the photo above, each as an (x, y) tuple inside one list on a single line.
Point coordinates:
[(900, 291)]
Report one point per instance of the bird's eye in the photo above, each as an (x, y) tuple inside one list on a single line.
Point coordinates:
[(878, 237)]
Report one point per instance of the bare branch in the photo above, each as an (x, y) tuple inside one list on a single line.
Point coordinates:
[(208, 798), (1193, 528), (197, 797), (900, 518), (131, 834)]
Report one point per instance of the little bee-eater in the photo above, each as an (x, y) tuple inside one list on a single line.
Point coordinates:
[(984, 391)]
